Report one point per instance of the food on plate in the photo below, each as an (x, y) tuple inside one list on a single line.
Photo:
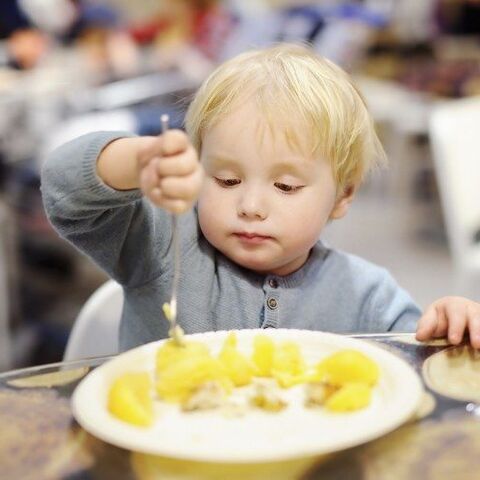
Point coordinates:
[(207, 396), (288, 366), (130, 398), (347, 366), (170, 353), (317, 393), (181, 378), (263, 351), (238, 366), (284, 362), (352, 396), (267, 396), (196, 379), (342, 382)]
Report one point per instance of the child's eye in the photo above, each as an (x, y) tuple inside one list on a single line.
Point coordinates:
[(227, 182), (288, 188)]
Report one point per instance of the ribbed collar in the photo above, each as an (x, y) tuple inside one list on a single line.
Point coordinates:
[(310, 268)]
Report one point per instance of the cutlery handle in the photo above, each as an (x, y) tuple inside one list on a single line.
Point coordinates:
[(164, 122), (175, 331)]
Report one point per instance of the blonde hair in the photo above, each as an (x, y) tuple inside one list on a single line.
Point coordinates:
[(307, 93)]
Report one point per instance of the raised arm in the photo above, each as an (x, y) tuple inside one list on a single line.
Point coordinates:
[(165, 168), (117, 164), (92, 189)]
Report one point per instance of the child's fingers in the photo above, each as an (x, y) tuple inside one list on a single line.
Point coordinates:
[(457, 321), (427, 324), (179, 165), (174, 142), (149, 178), (473, 313), (451, 315), (442, 321), (169, 172), (155, 195), (151, 150), (174, 205), (183, 188)]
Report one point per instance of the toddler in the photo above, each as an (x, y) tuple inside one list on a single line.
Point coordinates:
[(278, 141)]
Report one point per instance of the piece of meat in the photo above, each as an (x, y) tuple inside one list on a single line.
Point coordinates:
[(207, 396), (267, 396), (316, 393)]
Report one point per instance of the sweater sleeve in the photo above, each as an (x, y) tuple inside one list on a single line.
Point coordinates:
[(120, 230), (392, 307)]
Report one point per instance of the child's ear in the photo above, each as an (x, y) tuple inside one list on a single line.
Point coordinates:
[(343, 202)]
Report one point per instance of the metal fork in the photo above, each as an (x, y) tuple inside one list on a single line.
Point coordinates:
[(175, 332)]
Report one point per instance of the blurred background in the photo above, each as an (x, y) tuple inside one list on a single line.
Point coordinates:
[(68, 67)]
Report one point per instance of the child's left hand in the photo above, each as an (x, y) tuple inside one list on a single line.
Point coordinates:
[(449, 317)]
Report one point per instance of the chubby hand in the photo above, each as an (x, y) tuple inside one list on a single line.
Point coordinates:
[(170, 175), (451, 317)]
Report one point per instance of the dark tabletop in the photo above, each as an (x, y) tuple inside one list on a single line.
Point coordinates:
[(39, 438)]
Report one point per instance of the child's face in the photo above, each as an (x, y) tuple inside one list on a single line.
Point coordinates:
[(263, 205)]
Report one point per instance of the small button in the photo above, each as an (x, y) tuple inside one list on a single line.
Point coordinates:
[(273, 283), (272, 303)]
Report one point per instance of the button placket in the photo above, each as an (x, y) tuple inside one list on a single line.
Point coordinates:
[(273, 283), (272, 305), (271, 302)]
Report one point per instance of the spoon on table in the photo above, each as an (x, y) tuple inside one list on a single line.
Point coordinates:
[(170, 309)]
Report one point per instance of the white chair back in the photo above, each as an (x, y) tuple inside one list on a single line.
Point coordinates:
[(455, 140), (95, 331)]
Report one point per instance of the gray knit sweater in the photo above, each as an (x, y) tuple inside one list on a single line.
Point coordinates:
[(131, 240)]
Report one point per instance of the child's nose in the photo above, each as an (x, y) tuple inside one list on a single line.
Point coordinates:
[(252, 205)]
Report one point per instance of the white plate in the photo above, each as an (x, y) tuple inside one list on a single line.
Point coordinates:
[(258, 436)]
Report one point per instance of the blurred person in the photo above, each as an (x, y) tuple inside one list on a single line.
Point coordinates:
[(55, 17), (25, 44), (284, 140), (203, 24), (27, 47), (192, 36), (97, 29), (459, 17), (338, 30)]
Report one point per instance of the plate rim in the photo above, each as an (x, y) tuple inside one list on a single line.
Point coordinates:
[(414, 394)]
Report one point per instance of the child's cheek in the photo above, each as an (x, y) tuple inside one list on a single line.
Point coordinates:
[(207, 214)]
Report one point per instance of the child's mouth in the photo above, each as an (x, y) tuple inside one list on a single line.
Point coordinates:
[(251, 238)]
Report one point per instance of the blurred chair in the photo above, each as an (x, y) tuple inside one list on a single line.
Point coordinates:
[(455, 138), (95, 331)]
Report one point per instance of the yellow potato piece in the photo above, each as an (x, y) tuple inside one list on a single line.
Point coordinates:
[(231, 340), (348, 366), (170, 352), (130, 399), (350, 397), (167, 311), (288, 358), (178, 381), (284, 362), (239, 368), (288, 366), (263, 351), (287, 380)]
